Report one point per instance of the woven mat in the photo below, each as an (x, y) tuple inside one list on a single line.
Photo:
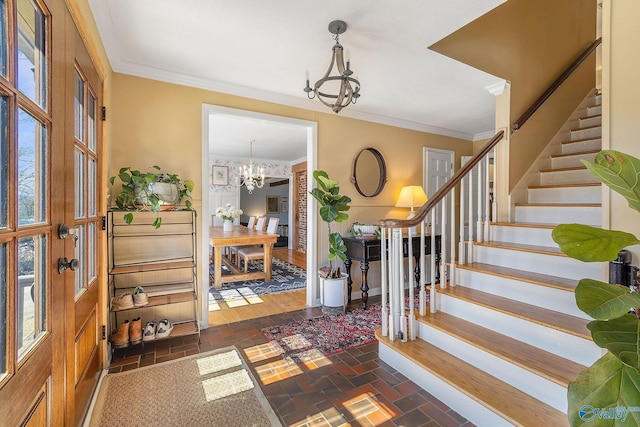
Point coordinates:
[(214, 388)]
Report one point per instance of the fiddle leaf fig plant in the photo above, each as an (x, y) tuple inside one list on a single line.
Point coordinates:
[(608, 392), (139, 193), (333, 207)]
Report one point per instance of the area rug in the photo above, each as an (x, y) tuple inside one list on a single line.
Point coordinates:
[(285, 277), (214, 388), (306, 340)]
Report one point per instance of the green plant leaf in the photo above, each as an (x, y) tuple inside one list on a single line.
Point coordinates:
[(620, 337), (591, 244), (620, 172), (606, 388), (604, 301), (128, 218), (157, 222)]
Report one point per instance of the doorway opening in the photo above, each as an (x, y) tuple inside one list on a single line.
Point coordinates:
[(228, 131)]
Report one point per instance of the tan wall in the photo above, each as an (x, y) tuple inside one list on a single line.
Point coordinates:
[(529, 44), (160, 123), (621, 110)]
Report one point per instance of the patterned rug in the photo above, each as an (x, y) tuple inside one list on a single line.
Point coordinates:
[(285, 278), (214, 388), (309, 339)]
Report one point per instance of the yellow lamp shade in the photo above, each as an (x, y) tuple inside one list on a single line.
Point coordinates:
[(411, 196)]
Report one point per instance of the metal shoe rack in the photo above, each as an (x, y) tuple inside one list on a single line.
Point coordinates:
[(161, 260)]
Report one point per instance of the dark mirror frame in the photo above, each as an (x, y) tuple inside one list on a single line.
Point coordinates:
[(381, 166)]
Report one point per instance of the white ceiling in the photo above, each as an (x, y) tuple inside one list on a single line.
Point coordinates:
[(261, 49)]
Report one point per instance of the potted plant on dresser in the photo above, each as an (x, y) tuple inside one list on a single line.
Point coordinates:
[(153, 191), (333, 207)]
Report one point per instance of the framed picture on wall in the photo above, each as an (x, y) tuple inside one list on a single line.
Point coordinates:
[(284, 207), (273, 204), (220, 175)]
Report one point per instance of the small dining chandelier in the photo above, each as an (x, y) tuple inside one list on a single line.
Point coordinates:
[(334, 96), (249, 177)]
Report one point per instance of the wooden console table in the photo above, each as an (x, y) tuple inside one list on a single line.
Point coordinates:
[(367, 249)]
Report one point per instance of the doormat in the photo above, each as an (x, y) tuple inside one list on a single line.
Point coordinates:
[(213, 388)]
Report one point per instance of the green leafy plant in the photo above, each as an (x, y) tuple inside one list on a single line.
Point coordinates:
[(333, 206), (612, 384), (139, 194)]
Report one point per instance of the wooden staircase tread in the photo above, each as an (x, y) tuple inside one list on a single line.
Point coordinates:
[(558, 156), (549, 318), (526, 276), (576, 185), (548, 250), (574, 168), (540, 362), (569, 205), (590, 117), (510, 403)]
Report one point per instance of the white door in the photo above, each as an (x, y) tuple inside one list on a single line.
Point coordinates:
[(438, 169)]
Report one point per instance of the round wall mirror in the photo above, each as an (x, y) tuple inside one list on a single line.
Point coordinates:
[(369, 172)]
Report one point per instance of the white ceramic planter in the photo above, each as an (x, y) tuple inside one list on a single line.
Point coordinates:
[(333, 294)]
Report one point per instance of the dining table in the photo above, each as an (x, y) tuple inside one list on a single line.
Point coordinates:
[(239, 235)]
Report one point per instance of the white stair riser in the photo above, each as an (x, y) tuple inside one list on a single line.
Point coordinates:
[(525, 235), (592, 111), (546, 297), (578, 134), (553, 265), (558, 215), (579, 147), (461, 403), (590, 121), (571, 161), (554, 341), (590, 194), (575, 176), (542, 389)]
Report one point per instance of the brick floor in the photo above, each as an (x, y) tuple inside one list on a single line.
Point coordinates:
[(353, 387)]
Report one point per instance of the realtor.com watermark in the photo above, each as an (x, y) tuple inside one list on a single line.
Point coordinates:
[(588, 413)]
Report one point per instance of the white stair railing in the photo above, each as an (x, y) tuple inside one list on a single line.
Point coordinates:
[(437, 220)]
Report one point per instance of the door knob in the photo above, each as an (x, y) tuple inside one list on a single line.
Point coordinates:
[(64, 263)]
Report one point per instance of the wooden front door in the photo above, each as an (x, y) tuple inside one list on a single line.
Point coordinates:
[(84, 334), (48, 314)]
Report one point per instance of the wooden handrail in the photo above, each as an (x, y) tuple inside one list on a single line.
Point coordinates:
[(555, 85), (442, 192), (457, 177)]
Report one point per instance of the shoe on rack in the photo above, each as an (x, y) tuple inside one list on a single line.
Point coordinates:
[(135, 331), (140, 297), (120, 338), (149, 331), (123, 301), (164, 328)]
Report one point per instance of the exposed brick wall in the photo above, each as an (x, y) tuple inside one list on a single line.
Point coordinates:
[(301, 210)]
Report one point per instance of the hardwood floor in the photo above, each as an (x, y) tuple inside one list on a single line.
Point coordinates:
[(267, 305)]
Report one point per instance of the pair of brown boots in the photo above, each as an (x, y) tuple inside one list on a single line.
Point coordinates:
[(129, 332)]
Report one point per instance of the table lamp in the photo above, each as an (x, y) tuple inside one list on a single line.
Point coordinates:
[(411, 196)]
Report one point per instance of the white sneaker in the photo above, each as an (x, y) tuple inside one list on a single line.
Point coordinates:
[(140, 297), (149, 331), (164, 328), (122, 302)]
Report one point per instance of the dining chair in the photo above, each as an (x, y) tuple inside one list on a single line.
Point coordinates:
[(253, 253), (261, 223), (253, 223)]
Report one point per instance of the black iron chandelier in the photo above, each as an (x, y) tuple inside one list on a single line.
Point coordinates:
[(344, 88)]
